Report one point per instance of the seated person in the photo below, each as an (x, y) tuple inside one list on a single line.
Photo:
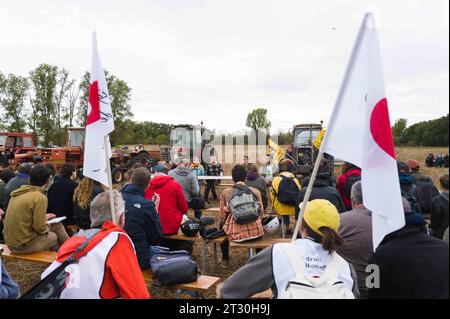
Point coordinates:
[(107, 266), (234, 231), (273, 268), (142, 222), (26, 229)]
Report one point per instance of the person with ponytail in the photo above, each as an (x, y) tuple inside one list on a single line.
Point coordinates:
[(83, 195), (273, 269)]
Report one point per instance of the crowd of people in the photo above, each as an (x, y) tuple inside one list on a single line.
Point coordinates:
[(439, 160), (334, 242)]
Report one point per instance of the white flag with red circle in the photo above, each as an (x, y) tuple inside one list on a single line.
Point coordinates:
[(99, 122), (359, 132)]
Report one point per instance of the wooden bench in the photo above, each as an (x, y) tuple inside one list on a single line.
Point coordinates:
[(258, 244), (203, 283), (43, 257)]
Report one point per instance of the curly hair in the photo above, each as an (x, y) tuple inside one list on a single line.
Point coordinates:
[(83, 193)]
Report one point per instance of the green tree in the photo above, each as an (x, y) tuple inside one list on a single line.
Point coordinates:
[(398, 129), (257, 119), (119, 94), (13, 92), (48, 90)]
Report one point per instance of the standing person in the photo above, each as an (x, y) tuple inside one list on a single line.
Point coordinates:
[(107, 267), (83, 195), (142, 220), (212, 169), (439, 210), (188, 182), (245, 163), (411, 191), (350, 175), (284, 193), (425, 183), (322, 189), (60, 195), (199, 171), (26, 229), (22, 178), (446, 161), (269, 170), (412, 265), (239, 232), (258, 182), (8, 288), (356, 232), (172, 207), (275, 267)]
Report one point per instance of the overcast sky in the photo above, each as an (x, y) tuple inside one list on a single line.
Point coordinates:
[(193, 60)]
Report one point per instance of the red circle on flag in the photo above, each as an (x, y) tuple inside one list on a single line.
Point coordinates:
[(380, 127)]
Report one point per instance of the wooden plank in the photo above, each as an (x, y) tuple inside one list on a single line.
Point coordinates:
[(43, 257), (202, 284), (259, 244), (182, 237)]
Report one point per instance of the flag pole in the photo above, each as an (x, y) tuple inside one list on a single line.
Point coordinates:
[(330, 128), (110, 185)]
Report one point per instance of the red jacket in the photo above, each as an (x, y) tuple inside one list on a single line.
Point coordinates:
[(172, 203), (341, 185), (108, 269)]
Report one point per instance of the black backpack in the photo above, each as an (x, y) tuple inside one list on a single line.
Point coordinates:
[(352, 179), (288, 191), (411, 197), (429, 192)]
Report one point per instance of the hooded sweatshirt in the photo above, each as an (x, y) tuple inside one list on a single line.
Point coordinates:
[(26, 216), (187, 180), (107, 268), (172, 203)]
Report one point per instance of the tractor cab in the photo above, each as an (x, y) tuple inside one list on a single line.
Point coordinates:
[(186, 142), (303, 150), (18, 143), (75, 137)]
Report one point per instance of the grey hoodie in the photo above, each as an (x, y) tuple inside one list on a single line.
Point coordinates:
[(187, 180)]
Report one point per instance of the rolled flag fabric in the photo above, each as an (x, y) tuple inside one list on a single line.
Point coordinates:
[(99, 122), (359, 132)]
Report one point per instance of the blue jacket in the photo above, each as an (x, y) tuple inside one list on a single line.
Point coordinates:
[(141, 223), (8, 288)]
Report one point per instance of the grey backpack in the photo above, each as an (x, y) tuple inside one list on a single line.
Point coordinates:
[(243, 205)]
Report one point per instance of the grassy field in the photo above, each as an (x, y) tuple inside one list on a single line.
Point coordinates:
[(27, 274)]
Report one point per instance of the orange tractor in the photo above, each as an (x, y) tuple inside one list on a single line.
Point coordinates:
[(121, 160), (17, 148)]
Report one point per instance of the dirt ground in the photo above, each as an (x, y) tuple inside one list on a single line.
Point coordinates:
[(27, 274)]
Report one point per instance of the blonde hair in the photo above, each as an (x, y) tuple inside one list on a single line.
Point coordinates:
[(83, 193)]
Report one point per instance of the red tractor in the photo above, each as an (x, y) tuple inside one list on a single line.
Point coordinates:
[(17, 148), (121, 160)]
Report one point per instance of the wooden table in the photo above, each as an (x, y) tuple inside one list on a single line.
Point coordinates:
[(258, 244)]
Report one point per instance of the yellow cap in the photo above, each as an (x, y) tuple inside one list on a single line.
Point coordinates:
[(321, 213)]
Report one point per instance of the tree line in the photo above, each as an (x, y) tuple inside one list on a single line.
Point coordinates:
[(426, 133), (47, 101)]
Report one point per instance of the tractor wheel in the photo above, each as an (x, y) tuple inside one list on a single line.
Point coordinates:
[(142, 158), (117, 175)]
